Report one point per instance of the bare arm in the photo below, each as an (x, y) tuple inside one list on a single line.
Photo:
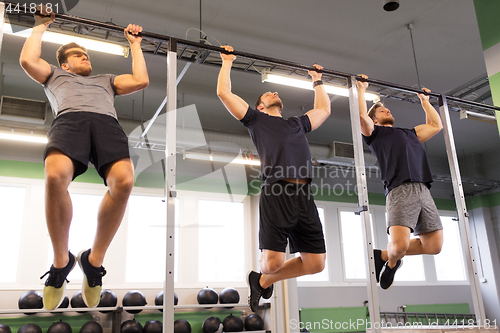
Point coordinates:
[(322, 105), (433, 122), (139, 79), (367, 125), (233, 103), (37, 68)]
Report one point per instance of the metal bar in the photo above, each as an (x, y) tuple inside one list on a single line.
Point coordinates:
[(294, 65), (359, 158), (2, 21), (468, 84), (157, 113), (170, 193), (463, 216), (117, 320), (482, 85), (483, 97)]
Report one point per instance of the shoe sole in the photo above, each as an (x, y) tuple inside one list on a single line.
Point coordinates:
[(400, 265), (64, 289), (79, 259)]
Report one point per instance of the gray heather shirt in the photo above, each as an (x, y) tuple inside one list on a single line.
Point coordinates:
[(68, 92)]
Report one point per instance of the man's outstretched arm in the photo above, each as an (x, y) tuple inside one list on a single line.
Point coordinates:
[(139, 79), (233, 103), (367, 125), (433, 122), (37, 68), (322, 105)]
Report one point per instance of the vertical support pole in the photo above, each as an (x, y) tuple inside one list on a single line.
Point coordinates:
[(463, 215), (359, 159), (2, 21), (170, 192)]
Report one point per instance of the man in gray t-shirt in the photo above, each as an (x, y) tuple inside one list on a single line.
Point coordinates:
[(85, 130)]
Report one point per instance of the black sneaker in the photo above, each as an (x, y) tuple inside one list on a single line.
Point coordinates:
[(255, 290), (55, 285), (387, 274), (268, 292), (379, 263), (92, 282)]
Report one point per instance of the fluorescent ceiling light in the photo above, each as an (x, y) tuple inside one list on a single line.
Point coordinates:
[(23, 137), (217, 158), (477, 116), (90, 44), (307, 84)]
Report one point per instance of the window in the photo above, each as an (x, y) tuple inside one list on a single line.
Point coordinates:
[(83, 228), (146, 239), (450, 262), (353, 247), (322, 276), (221, 242), (11, 221)]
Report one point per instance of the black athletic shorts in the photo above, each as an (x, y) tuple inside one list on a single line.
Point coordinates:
[(288, 211), (88, 137)]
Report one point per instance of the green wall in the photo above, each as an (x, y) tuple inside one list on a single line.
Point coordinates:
[(32, 170)]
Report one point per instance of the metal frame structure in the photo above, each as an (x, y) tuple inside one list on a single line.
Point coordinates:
[(180, 49)]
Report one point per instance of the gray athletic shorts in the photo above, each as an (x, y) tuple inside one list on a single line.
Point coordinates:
[(411, 205)]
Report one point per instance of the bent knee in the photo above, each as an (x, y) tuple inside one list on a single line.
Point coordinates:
[(317, 265), (122, 184), (435, 249), (399, 248), (55, 178), (272, 266)]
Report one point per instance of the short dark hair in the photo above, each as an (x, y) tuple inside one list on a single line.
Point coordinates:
[(371, 112), (258, 101), (61, 52)]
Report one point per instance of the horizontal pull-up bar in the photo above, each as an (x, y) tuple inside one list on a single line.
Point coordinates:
[(251, 56)]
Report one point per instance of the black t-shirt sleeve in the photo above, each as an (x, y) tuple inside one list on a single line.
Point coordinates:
[(305, 122), (249, 117), (369, 139)]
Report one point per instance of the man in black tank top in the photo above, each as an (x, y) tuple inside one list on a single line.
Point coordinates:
[(287, 210), (407, 177)]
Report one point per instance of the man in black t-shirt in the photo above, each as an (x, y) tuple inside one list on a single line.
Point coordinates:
[(287, 209), (406, 175)]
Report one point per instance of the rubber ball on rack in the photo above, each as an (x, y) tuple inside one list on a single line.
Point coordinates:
[(60, 327), (232, 324), (207, 296), (131, 326), (91, 327), (30, 300), (30, 328), (108, 299), (5, 329), (229, 296), (159, 299), (134, 298), (254, 322), (77, 301), (212, 325), (182, 326), (153, 326)]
